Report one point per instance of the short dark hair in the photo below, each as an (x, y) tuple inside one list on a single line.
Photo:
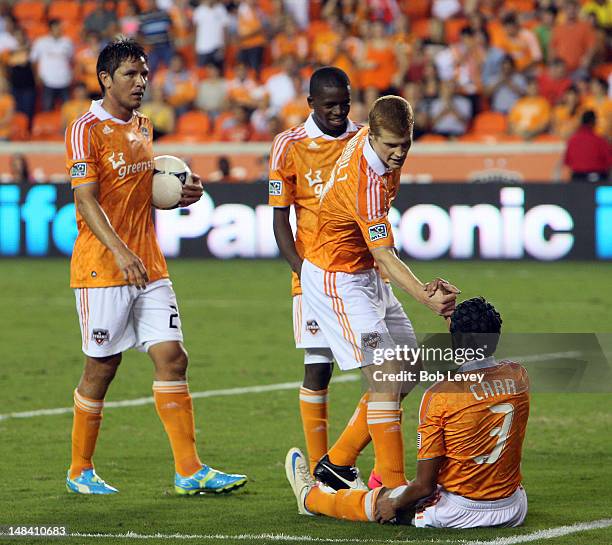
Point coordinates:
[(509, 19), (476, 324), (327, 76), (114, 53), (392, 113), (589, 118)]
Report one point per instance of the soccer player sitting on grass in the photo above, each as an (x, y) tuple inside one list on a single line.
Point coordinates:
[(470, 437)]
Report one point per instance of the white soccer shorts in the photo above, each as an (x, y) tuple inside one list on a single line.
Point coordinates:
[(358, 314), (117, 318), (448, 510), (306, 329)]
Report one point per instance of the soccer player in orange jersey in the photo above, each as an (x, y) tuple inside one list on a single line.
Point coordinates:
[(301, 161), (342, 281), (470, 438), (124, 297)]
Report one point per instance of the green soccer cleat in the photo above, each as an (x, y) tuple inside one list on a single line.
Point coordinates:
[(208, 479)]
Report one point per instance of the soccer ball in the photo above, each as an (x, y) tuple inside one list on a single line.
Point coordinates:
[(169, 176)]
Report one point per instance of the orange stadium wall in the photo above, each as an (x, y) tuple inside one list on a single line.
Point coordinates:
[(453, 221), (453, 162)]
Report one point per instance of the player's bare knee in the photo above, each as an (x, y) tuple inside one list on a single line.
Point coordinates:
[(317, 375), (171, 361)]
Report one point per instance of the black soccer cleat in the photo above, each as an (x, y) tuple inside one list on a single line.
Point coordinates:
[(338, 477)]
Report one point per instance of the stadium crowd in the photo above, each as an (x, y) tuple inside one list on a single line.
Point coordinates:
[(474, 70)]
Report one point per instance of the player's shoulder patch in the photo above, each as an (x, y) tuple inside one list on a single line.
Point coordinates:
[(275, 188), (378, 231), (78, 170)]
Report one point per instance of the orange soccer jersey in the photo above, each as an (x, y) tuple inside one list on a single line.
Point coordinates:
[(301, 162), (118, 156), (479, 428), (353, 212)]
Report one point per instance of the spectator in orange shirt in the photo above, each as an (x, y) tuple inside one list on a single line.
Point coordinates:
[(7, 109), (77, 105), (242, 89), (251, 35), (598, 101), (554, 81), (289, 41), (573, 41), (520, 43), (86, 58), (237, 126), (378, 65), (530, 115), (179, 85), (566, 115)]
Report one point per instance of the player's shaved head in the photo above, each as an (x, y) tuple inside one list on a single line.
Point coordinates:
[(476, 324), (330, 77), (330, 100), (116, 52)]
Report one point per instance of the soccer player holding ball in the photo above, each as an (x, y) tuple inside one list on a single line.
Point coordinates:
[(124, 296)]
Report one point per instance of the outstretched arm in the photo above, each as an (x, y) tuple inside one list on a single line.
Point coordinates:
[(441, 301)]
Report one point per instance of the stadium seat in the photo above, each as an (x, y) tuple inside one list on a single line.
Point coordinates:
[(194, 124), (20, 127), (452, 29), (65, 10), (29, 10), (603, 70), (519, 5), (35, 29), (416, 9), (421, 28), (47, 126), (547, 138), (489, 123)]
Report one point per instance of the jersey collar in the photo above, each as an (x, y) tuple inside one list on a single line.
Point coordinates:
[(478, 364), (313, 131), (373, 160), (97, 109)]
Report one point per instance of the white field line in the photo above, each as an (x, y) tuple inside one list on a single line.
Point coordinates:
[(195, 395), (550, 533), (243, 390)]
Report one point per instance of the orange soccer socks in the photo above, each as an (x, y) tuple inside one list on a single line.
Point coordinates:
[(354, 438), (85, 428), (175, 409), (313, 408), (345, 504), (384, 424)]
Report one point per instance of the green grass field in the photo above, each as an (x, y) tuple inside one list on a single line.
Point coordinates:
[(237, 322)]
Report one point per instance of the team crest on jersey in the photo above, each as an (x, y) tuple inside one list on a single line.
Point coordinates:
[(100, 336), (145, 132), (118, 162), (370, 341), (377, 232), (313, 177), (312, 326), (78, 170), (275, 188)]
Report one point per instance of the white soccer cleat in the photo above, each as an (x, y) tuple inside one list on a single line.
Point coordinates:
[(299, 477)]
